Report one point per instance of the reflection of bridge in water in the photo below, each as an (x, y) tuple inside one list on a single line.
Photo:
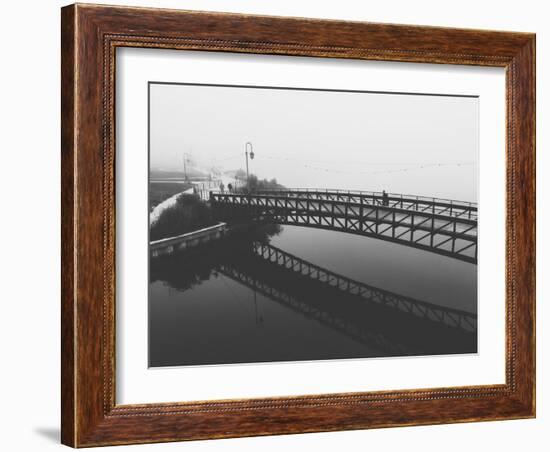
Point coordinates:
[(429, 311), (391, 323), (441, 226)]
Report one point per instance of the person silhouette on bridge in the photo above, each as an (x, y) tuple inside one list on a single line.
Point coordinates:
[(385, 198), (229, 187), (221, 187)]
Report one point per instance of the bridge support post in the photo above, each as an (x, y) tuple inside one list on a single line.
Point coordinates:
[(361, 219)]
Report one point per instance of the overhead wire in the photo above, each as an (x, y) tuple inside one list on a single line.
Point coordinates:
[(306, 164)]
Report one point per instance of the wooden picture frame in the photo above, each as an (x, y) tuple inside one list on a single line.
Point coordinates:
[(90, 35)]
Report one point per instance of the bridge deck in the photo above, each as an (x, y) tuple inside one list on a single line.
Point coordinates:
[(441, 206), (441, 226)]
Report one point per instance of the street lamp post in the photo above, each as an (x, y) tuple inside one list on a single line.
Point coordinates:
[(248, 143), (185, 161)]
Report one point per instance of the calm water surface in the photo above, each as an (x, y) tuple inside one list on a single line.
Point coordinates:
[(223, 303)]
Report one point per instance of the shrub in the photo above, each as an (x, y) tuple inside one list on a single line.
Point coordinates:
[(189, 213)]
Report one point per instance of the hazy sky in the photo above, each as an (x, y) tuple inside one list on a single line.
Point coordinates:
[(322, 139)]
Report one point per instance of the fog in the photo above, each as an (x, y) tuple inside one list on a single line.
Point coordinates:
[(412, 144)]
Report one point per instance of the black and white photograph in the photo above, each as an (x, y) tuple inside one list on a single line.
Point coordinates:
[(294, 224)]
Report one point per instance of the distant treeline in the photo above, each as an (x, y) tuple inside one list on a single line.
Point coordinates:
[(254, 183), (262, 184)]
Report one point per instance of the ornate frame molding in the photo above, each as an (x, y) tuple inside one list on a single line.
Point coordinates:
[(90, 37)]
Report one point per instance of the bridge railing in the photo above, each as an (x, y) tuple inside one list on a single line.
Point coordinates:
[(188, 240), (376, 194)]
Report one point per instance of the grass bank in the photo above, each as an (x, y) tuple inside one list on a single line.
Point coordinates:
[(189, 213), (159, 192)]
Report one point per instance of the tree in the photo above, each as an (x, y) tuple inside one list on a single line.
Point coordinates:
[(240, 175), (188, 214)]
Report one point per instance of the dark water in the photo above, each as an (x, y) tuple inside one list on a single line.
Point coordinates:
[(225, 303)]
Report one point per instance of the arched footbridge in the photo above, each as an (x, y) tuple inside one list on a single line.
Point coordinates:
[(442, 226)]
